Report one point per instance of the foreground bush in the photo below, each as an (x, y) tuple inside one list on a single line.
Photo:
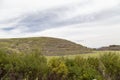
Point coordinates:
[(36, 67), (22, 66), (81, 69), (57, 69), (111, 66)]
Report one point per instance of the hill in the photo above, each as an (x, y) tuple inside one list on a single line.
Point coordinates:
[(43, 45), (111, 47)]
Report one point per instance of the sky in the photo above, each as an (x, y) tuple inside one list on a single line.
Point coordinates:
[(92, 23)]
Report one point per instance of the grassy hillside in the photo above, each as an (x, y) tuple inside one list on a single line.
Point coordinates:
[(45, 45)]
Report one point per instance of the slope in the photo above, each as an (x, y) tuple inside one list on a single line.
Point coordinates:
[(43, 45)]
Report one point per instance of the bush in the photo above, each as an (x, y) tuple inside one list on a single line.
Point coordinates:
[(22, 66), (88, 67), (111, 66), (83, 69), (3, 63), (74, 70), (57, 69)]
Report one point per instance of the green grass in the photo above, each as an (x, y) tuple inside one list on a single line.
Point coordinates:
[(92, 54)]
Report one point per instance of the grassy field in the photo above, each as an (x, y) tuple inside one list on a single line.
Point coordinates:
[(93, 54)]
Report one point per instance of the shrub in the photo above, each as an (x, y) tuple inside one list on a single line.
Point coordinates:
[(22, 66), (3, 62), (74, 70), (57, 69), (88, 67), (111, 63)]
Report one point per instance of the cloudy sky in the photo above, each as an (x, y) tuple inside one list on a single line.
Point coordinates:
[(93, 23)]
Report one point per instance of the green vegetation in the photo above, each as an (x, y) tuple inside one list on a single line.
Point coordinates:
[(95, 54), (35, 66)]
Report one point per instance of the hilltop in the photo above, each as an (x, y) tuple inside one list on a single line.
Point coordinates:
[(43, 45), (110, 47)]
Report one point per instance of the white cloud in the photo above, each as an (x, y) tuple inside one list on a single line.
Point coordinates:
[(14, 8)]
